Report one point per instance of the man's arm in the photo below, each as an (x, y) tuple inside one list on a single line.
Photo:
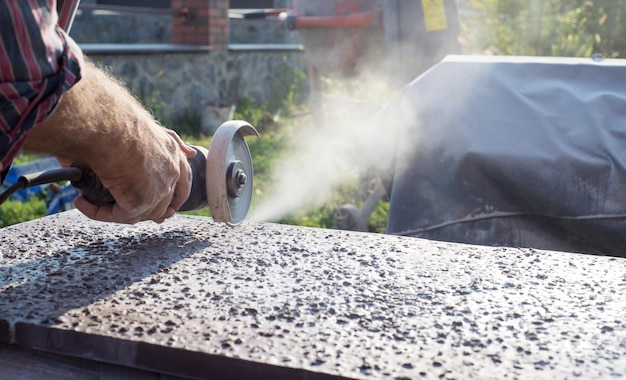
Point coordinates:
[(100, 124)]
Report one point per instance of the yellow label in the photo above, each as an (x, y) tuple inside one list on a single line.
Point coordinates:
[(434, 15)]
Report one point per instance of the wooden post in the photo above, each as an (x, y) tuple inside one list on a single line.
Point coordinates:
[(315, 101)]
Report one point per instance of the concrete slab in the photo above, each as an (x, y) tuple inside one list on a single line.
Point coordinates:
[(193, 298)]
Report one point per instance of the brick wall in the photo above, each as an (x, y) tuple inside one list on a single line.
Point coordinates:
[(201, 22)]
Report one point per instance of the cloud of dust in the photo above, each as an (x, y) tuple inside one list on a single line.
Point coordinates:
[(323, 155)]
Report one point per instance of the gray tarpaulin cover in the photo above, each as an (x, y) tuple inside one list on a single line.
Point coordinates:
[(512, 151)]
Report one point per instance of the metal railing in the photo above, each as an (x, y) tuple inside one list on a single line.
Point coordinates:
[(137, 10)]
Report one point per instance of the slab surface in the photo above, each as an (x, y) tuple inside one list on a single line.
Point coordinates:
[(194, 298)]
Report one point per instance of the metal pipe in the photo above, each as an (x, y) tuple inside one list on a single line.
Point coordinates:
[(127, 9), (301, 21), (263, 13)]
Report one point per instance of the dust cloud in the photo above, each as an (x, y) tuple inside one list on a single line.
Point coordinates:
[(325, 156)]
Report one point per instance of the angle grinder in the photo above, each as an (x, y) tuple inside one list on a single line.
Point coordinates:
[(222, 176)]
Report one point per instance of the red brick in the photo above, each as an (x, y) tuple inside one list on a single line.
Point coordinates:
[(196, 3), (208, 22), (219, 21)]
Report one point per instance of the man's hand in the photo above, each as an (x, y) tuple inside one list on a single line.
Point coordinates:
[(144, 165), (146, 185)]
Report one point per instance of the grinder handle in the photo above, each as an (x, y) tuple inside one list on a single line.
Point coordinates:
[(92, 189)]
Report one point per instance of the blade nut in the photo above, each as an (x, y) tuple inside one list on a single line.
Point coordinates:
[(236, 178), (242, 178)]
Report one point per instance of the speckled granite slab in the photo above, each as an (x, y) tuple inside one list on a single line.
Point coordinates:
[(193, 298)]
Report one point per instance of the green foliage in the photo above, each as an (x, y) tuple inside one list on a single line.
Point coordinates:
[(13, 212), (378, 220), (23, 157), (289, 89), (248, 109), (289, 93), (187, 124), (576, 28)]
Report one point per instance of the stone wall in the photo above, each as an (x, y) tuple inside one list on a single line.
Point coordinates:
[(116, 28), (186, 82), (201, 83), (121, 28), (130, 28)]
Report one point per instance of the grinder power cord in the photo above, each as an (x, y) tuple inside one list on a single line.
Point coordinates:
[(222, 177)]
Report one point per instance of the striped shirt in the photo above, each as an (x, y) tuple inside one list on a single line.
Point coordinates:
[(38, 63)]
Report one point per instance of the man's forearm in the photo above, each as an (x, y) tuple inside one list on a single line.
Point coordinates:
[(96, 119)]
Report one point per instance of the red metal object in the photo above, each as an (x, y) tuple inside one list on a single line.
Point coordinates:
[(339, 36), (353, 20)]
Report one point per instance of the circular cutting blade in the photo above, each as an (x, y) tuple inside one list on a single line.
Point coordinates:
[(229, 172)]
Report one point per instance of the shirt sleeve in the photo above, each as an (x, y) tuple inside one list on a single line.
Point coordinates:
[(39, 62)]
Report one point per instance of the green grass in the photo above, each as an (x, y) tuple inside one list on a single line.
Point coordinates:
[(13, 212)]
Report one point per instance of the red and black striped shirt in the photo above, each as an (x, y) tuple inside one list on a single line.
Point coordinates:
[(39, 62)]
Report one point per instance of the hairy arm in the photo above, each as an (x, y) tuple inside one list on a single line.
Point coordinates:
[(100, 124)]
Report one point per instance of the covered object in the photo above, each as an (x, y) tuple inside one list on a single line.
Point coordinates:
[(511, 151)]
